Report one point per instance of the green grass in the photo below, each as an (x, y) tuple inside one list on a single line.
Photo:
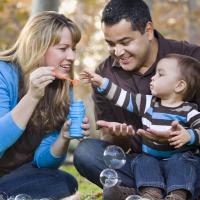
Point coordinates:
[(88, 190)]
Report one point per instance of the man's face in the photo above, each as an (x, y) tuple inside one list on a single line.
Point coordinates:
[(130, 48)]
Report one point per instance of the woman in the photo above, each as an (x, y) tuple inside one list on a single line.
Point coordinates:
[(33, 107)]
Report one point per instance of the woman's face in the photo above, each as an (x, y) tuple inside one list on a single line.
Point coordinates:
[(61, 55)]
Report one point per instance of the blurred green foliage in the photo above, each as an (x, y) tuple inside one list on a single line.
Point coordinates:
[(13, 16)]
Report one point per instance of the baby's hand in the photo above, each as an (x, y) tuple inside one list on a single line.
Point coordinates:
[(91, 77), (179, 137)]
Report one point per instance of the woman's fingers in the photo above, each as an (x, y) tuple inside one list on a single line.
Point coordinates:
[(65, 129), (39, 79), (86, 133), (42, 71), (85, 120), (42, 79), (41, 75), (85, 126)]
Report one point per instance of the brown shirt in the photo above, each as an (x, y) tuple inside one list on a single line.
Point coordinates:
[(134, 82)]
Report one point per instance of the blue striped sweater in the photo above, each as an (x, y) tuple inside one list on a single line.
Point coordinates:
[(157, 117)]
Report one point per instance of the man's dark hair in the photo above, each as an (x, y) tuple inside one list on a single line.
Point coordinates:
[(135, 11)]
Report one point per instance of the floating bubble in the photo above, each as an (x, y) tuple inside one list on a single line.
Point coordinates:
[(3, 195), (108, 178), (23, 197), (11, 198), (45, 199), (114, 157)]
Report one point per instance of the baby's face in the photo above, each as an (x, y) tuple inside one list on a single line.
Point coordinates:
[(165, 80)]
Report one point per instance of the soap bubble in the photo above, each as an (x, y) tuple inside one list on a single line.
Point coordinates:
[(114, 157), (23, 197), (45, 199), (3, 196), (108, 178), (11, 198)]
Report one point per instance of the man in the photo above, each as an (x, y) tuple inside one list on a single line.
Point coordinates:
[(135, 49)]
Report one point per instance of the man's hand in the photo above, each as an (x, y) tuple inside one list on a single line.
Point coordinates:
[(115, 128)]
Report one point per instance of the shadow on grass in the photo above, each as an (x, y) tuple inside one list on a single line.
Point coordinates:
[(88, 190)]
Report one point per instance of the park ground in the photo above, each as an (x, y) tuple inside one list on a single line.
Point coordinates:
[(88, 190)]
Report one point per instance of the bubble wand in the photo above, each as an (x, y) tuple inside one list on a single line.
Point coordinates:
[(60, 75)]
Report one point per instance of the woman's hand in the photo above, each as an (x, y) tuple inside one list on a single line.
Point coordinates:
[(91, 77), (60, 147), (64, 132), (85, 126), (38, 80), (65, 129)]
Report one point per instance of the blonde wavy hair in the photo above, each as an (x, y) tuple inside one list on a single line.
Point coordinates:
[(40, 32)]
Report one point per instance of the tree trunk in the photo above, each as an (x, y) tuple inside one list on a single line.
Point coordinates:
[(42, 5)]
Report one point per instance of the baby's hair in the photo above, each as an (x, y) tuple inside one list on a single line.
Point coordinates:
[(189, 72)]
